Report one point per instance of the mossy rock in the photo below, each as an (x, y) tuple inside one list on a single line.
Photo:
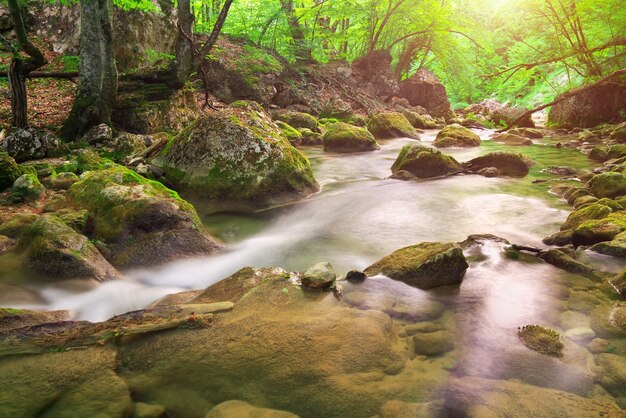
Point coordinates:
[(456, 136), (619, 280), (15, 226), (509, 138), (424, 162), (300, 120), (508, 163), (608, 185), (311, 138), (419, 121), (598, 154), (391, 125), (619, 133), (616, 151), (542, 340), (343, 137), (584, 201), (61, 181), (594, 231), (433, 343), (144, 222), (9, 171), (28, 188), (292, 134), (237, 155), (20, 318), (425, 265), (234, 408), (532, 133), (54, 251), (593, 211)]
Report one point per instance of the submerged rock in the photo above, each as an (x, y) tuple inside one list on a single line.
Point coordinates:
[(425, 265), (343, 137), (241, 409), (144, 222), (391, 125), (424, 162), (237, 155), (456, 136), (477, 397), (527, 132), (512, 139), (507, 163)]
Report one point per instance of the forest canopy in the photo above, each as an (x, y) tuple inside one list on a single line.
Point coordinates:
[(521, 51)]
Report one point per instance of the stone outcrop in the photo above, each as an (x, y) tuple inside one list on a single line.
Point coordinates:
[(425, 90)]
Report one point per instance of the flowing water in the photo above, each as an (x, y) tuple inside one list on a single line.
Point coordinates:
[(361, 215)]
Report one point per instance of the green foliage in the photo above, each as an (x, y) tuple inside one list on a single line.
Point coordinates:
[(70, 63)]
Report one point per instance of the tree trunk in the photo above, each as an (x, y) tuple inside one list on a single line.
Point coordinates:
[(97, 83), (182, 66), (20, 67), (302, 52)]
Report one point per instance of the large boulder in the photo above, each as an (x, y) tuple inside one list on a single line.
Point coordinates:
[(602, 104), (29, 144), (237, 155), (300, 120), (374, 69), (28, 188), (54, 251), (424, 89), (424, 162), (594, 231), (391, 125), (507, 163), (343, 137), (456, 136), (143, 222), (425, 265)]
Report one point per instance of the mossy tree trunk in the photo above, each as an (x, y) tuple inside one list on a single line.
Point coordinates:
[(20, 67), (182, 66), (97, 83)]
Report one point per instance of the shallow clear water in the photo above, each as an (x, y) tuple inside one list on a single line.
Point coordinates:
[(358, 216)]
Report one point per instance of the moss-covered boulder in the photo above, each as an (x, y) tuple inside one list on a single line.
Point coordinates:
[(343, 137), (9, 171), (594, 211), (20, 318), (144, 222), (599, 230), (292, 134), (608, 185), (310, 137), (28, 188), (425, 265), (509, 138), (508, 163), (391, 125), (532, 133), (612, 373), (424, 162), (61, 181), (300, 120), (54, 251), (237, 155), (616, 247), (618, 133), (456, 135), (419, 121)]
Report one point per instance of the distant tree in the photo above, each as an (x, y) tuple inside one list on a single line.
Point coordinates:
[(20, 66), (97, 83)]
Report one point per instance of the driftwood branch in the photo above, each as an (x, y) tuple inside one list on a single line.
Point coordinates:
[(566, 96)]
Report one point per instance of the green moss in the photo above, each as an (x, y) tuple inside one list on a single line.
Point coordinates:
[(424, 162), (542, 340), (293, 136), (28, 187), (456, 136), (391, 125), (593, 211), (9, 171), (343, 137), (300, 120), (608, 185), (4, 312), (605, 229)]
